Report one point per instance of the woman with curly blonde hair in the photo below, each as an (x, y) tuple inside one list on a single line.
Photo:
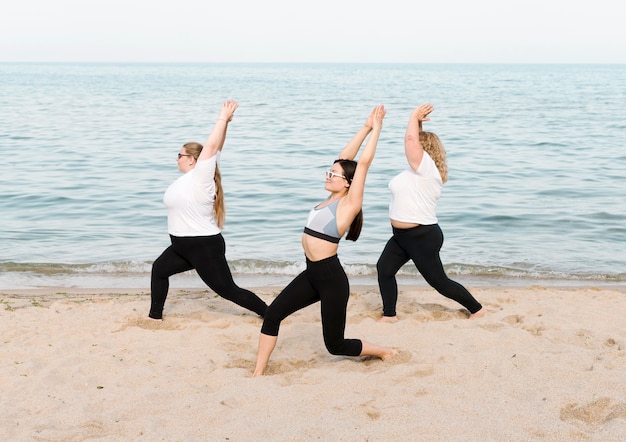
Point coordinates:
[(412, 210)]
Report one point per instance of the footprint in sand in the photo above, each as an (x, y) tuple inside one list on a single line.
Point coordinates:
[(151, 324), (437, 312), (597, 412), (246, 364), (358, 318), (284, 367), (517, 320), (449, 315), (613, 344), (220, 323), (513, 319), (370, 410), (424, 371)]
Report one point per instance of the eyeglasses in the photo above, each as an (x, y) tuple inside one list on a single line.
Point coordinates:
[(330, 174), (183, 155)]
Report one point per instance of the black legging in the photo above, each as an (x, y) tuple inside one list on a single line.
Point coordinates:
[(323, 281), (206, 254), (420, 244)]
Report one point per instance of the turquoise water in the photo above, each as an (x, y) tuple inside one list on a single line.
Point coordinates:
[(537, 159)]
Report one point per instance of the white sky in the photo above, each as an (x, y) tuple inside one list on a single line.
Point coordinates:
[(412, 31)]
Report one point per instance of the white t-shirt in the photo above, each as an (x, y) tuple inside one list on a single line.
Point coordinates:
[(189, 201), (414, 193)]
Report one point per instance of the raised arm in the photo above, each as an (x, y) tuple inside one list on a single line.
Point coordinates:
[(412, 147), (355, 192), (215, 142), (353, 146)]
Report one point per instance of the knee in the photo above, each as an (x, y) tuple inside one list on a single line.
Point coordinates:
[(271, 322), (334, 349), (345, 347), (383, 270), (439, 282), (158, 269), (337, 347)]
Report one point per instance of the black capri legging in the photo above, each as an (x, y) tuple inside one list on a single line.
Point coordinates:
[(323, 281), (420, 244), (206, 254)]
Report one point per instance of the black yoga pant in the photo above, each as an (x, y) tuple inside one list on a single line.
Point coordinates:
[(206, 254), (323, 281), (420, 244)]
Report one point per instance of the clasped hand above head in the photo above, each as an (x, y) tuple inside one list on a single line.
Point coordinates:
[(375, 118)]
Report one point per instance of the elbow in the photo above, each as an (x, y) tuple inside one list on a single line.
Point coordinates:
[(365, 163), (411, 140)]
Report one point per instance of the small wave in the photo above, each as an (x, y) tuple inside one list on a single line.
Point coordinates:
[(120, 267), (250, 268)]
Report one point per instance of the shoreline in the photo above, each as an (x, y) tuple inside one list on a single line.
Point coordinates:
[(356, 284), (191, 281)]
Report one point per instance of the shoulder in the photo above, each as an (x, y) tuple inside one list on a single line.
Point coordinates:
[(211, 160), (427, 165)]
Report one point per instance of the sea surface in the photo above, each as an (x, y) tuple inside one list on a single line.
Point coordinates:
[(536, 155)]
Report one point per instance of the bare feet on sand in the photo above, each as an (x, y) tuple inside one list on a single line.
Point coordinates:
[(479, 314), (392, 352), (388, 319)]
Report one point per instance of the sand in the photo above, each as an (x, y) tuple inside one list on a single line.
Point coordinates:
[(545, 363)]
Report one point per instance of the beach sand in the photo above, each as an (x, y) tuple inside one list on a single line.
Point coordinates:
[(545, 363)]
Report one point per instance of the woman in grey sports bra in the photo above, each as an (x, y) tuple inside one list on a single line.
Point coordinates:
[(324, 279)]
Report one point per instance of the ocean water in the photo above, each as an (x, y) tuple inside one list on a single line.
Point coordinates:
[(536, 156)]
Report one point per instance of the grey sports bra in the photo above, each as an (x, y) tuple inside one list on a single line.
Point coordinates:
[(322, 223)]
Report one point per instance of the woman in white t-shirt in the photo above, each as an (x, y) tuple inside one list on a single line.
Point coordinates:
[(195, 216), (412, 210)]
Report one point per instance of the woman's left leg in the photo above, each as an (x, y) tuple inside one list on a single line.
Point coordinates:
[(424, 250), (331, 283), (333, 286), (208, 256)]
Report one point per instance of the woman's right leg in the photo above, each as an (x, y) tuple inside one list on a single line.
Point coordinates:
[(296, 296), (166, 265)]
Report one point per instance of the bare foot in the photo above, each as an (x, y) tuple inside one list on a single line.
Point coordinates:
[(390, 354), (257, 374), (479, 314), (388, 319)]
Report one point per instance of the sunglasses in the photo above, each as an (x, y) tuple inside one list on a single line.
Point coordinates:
[(330, 175), (183, 155)]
